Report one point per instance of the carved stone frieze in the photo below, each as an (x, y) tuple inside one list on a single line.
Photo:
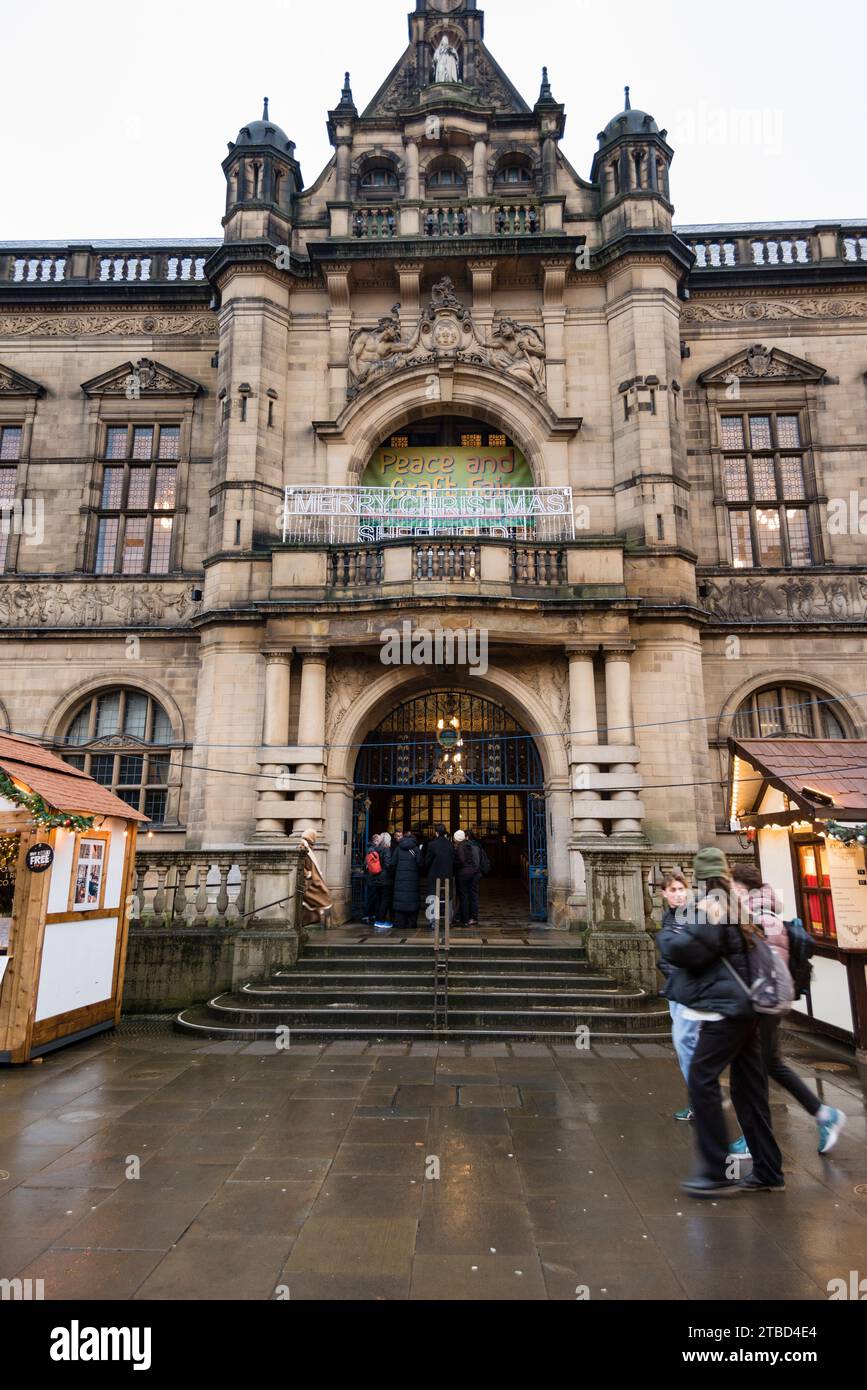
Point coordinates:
[(751, 310), (39, 604), (794, 599), (102, 325), (446, 332)]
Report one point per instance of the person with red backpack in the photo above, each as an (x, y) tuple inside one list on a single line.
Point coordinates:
[(787, 939), (372, 872), (385, 885)]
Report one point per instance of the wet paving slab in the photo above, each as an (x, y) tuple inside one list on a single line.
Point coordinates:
[(158, 1167)]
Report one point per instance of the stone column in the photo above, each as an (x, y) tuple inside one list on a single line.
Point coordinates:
[(311, 736), (344, 151), (618, 700), (480, 169), (583, 731), (275, 733), (412, 187), (409, 214)]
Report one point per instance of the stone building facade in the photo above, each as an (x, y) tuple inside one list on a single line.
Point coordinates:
[(686, 407)]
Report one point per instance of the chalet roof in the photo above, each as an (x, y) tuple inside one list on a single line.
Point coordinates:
[(64, 787), (808, 771)]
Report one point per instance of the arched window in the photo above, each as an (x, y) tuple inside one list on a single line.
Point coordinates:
[(449, 178), (125, 738), (515, 175), (379, 178), (789, 711)]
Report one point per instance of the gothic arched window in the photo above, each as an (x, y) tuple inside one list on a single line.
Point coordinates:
[(789, 711), (125, 738)]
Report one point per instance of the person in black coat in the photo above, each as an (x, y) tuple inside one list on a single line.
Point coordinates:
[(710, 935), (439, 861), (406, 862), (467, 876)]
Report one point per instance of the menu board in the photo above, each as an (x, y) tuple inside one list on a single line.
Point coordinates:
[(848, 874)]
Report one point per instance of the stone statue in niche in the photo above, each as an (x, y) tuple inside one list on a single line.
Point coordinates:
[(445, 61)]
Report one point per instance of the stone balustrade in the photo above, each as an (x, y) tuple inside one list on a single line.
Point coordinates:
[(446, 221), (104, 263), (374, 224), (487, 566), (184, 888), (775, 247)]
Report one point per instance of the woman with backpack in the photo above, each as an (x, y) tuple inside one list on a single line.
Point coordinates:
[(385, 885), (372, 872), (765, 906), (406, 861), (712, 979)]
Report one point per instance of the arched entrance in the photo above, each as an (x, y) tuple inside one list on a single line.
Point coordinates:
[(451, 756)]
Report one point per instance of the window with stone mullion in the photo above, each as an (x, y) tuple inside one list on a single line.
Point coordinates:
[(138, 497), (763, 470)]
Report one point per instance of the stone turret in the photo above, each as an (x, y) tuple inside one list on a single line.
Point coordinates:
[(263, 178), (631, 168)]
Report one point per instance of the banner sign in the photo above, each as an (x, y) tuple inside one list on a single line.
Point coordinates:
[(346, 515), (447, 469)]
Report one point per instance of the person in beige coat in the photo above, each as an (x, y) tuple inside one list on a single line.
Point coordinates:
[(317, 902)]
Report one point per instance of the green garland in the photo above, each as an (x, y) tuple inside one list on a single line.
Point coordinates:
[(849, 834), (39, 809)]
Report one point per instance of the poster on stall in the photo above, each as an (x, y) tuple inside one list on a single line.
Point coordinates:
[(848, 874)]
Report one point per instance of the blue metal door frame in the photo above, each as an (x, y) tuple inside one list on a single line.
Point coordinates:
[(402, 755)]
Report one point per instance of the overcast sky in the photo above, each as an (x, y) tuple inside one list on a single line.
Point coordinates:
[(115, 118)]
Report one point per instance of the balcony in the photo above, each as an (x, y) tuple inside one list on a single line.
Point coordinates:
[(483, 569)]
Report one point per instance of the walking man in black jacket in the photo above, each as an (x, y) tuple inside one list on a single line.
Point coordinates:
[(711, 934)]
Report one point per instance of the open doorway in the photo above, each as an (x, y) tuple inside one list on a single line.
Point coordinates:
[(408, 777)]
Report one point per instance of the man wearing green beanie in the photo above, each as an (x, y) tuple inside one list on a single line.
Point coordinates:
[(713, 939)]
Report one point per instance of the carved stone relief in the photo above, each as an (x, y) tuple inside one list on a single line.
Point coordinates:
[(28, 604), (347, 678), (100, 325), (802, 307), (446, 331), (797, 600)]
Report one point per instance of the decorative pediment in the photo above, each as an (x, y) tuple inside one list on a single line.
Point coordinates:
[(490, 86), (14, 384), (144, 378), (759, 364), (446, 332)]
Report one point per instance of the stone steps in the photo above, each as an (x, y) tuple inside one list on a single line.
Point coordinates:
[(370, 990)]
